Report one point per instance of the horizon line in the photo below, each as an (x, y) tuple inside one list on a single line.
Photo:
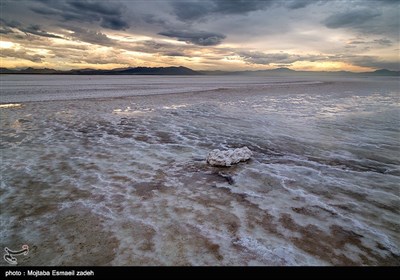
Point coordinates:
[(180, 66)]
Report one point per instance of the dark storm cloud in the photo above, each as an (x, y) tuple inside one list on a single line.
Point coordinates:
[(108, 14), (201, 38), (261, 33), (187, 11), (36, 30), (240, 6), (6, 26), (22, 54), (354, 18), (7, 23), (100, 7), (367, 17), (298, 4), (194, 10), (114, 23), (191, 10), (152, 19), (90, 36)]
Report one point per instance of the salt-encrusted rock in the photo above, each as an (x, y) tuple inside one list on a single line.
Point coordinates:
[(228, 157)]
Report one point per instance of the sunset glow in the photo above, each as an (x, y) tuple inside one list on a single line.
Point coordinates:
[(202, 35)]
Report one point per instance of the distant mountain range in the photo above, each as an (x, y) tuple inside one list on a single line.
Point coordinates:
[(124, 71), (290, 72), (187, 71)]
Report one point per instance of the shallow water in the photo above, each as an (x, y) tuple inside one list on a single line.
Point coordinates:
[(110, 170)]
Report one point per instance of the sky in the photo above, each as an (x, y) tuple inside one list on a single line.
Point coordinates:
[(313, 35)]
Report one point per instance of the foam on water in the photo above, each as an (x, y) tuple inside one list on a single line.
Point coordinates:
[(124, 181)]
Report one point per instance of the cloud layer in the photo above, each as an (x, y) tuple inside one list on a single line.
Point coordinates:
[(107, 14), (200, 38), (207, 34)]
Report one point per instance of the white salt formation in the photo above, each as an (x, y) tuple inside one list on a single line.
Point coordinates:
[(228, 157), (129, 186), (11, 105)]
